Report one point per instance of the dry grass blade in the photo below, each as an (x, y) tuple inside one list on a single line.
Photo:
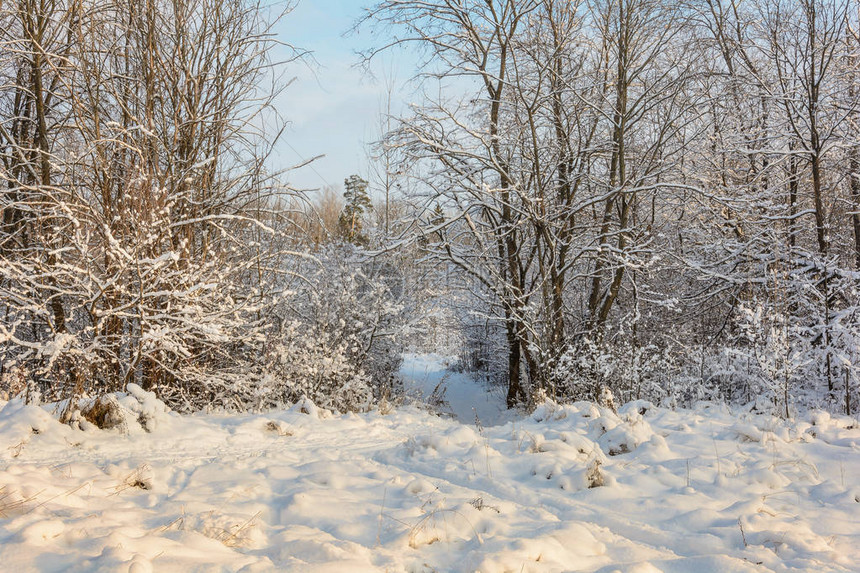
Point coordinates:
[(138, 478), (232, 538), (9, 504)]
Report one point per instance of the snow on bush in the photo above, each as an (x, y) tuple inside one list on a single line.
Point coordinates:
[(629, 371), (338, 343), (312, 362), (128, 411)]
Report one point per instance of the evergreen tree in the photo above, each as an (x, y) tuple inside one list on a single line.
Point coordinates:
[(357, 203)]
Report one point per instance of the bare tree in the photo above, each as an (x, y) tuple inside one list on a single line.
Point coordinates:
[(141, 163)]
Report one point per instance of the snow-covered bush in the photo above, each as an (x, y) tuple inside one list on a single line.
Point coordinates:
[(708, 373), (629, 371), (338, 343), (312, 362), (781, 349), (132, 250)]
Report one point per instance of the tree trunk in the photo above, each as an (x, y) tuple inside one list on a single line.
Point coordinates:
[(516, 394), (854, 178)]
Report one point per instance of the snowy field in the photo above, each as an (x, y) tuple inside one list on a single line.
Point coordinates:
[(573, 488)]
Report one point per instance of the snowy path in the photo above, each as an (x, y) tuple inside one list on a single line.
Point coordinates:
[(464, 397), (689, 491)]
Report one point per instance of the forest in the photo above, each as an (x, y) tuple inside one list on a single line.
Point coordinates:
[(643, 199)]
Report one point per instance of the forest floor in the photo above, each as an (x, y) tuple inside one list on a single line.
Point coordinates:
[(566, 488)]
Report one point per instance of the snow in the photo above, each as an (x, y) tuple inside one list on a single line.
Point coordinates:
[(704, 490), (464, 398)]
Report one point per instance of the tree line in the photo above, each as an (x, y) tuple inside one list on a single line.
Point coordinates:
[(655, 198)]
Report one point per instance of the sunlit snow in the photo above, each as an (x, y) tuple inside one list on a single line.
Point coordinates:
[(702, 490)]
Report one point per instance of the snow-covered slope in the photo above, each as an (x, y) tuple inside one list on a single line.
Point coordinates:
[(682, 491)]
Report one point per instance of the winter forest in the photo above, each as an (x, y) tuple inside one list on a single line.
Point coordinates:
[(658, 199), (594, 209)]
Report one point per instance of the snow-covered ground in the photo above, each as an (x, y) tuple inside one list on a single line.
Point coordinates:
[(300, 490), (427, 377)]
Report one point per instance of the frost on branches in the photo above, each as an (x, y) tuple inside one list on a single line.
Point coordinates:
[(339, 342)]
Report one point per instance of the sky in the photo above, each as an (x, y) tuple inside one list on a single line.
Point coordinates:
[(332, 106)]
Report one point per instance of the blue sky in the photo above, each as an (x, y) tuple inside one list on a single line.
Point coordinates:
[(332, 107)]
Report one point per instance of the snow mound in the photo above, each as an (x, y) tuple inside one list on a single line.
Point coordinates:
[(126, 411), (614, 433)]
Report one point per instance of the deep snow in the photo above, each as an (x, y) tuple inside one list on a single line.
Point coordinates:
[(701, 490)]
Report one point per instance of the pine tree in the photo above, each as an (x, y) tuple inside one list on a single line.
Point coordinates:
[(357, 203)]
